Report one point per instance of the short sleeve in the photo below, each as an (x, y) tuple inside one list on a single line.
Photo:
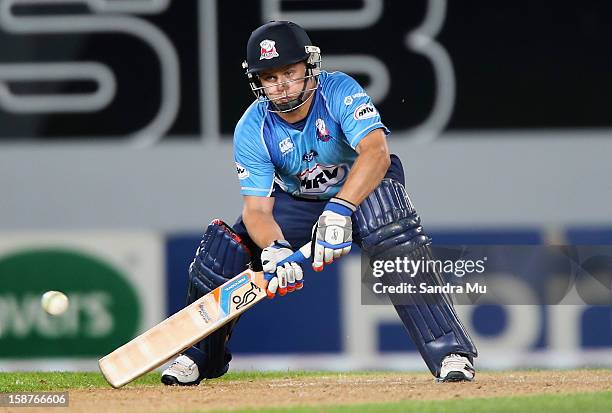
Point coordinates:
[(352, 107), (253, 164)]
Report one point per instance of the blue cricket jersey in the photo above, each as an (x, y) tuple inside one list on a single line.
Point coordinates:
[(313, 162)]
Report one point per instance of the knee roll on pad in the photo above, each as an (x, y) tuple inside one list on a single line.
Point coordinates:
[(387, 220), (389, 226), (220, 256)]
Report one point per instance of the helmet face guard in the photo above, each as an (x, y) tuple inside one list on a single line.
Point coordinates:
[(313, 69), (277, 44)]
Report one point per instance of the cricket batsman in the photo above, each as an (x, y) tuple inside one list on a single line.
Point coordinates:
[(313, 164)]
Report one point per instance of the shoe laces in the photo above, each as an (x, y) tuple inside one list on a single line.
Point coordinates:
[(182, 363), (455, 361)]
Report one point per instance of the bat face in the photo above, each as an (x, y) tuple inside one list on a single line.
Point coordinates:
[(156, 346), (183, 329)]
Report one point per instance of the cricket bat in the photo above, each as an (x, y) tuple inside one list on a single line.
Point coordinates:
[(193, 323)]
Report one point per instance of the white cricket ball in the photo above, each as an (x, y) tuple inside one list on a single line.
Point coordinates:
[(54, 302)]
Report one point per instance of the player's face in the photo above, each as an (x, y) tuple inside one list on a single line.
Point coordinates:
[(284, 84)]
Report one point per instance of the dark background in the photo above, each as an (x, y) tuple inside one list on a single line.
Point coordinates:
[(518, 65)]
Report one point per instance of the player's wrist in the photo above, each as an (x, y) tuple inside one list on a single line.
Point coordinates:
[(280, 243), (341, 206)]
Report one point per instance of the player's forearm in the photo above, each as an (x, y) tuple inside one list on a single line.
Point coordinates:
[(368, 170), (262, 227)]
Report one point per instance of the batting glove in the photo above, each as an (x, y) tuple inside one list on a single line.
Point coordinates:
[(282, 274), (332, 235)]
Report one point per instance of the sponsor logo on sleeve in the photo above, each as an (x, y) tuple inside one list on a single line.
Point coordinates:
[(242, 171), (365, 111), (268, 49), (348, 100)]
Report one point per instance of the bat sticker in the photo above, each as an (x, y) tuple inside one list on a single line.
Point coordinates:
[(248, 297)]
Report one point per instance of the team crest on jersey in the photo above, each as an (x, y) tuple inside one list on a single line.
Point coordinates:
[(320, 178), (322, 132), (242, 172), (268, 49), (286, 146)]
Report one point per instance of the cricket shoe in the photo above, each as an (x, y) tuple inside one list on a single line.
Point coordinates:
[(182, 372), (456, 367)]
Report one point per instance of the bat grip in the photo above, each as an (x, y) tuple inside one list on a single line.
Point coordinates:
[(301, 256)]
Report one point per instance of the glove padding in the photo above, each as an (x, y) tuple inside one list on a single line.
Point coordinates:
[(332, 235), (282, 274)]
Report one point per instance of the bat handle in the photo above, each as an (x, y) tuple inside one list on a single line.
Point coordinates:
[(302, 255)]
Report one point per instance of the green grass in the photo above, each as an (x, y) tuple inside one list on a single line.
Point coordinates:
[(48, 381), (51, 381), (569, 403)]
